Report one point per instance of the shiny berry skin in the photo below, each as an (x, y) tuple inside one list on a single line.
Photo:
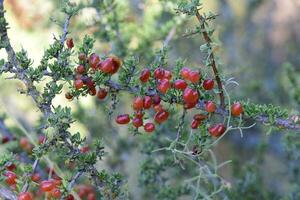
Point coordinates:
[(195, 124), (47, 185), (145, 75), (159, 73), (168, 75), (116, 64), (80, 69), (237, 109), (147, 102), (194, 76), (89, 82), (138, 103), (102, 93), (180, 84), (164, 86), (158, 108), (139, 114), (94, 60), (217, 130), (107, 66), (25, 196), (149, 127), (78, 84), (56, 193), (36, 177), (161, 116), (185, 73), (11, 177), (137, 122), (123, 119), (199, 117), (70, 43), (208, 84), (210, 107), (91, 196), (190, 96), (156, 99), (11, 167)]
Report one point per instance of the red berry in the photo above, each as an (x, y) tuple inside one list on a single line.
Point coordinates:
[(190, 96), (195, 124), (78, 84), (70, 43), (91, 196), (161, 116), (194, 76), (138, 103), (149, 127), (139, 114), (94, 60), (82, 57), (92, 91), (80, 69), (69, 197), (199, 117), (5, 139), (137, 122), (217, 130), (208, 84), (11, 178), (237, 109), (89, 82), (25, 196), (11, 167), (156, 99), (147, 102), (145, 75), (111, 65), (159, 73), (47, 185), (116, 64), (168, 75), (36, 177), (85, 149), (101, 94), (164, 86), (158, 108), (180, 84), (123, 119), (210, 107), (185, 73), (55, 193)]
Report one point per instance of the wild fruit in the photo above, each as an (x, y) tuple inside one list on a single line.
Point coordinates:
[(164, 86), (149, 127), (185, 73), (156, 99), (194, 76), (208, 84), (69, 96), (195, 124), (190, 96), (11, 177), (147, 102), (55, 193), (80, 69), (168, 75), (180, 84), (25, 196), (237, 109), (210, 107), (199, 117), (101, 94), (94, 60), (36, 177), (47, 185), (217, 130), (123, 119), (138, 103), (145, 75), (70, 43), (137, 122), (159, 73), (78, 84), (161, 116)]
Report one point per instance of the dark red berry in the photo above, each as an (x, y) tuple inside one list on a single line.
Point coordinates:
[(210, 107), (82, 56), (161, 116), (156, 99), (195, 124), (208, 84), (138, 103), (70, 43), (147, 102), (123, 119), (11, 177), (94, 60), (25, 196), (217, 130), (180, 84), (149, 127), (190, 96), (164, 86), (159, 73), (101, 94), (185, 73), (80, 69), (168, 75), (137, 122), (78, 84), (199, 117), (47, 185), (145, 75), (237, 109), (194, 76)]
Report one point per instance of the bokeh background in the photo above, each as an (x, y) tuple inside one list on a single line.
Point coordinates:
[(260, 48)]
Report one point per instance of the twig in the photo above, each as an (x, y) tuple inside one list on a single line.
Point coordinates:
[(208, 40), (6, 193)]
